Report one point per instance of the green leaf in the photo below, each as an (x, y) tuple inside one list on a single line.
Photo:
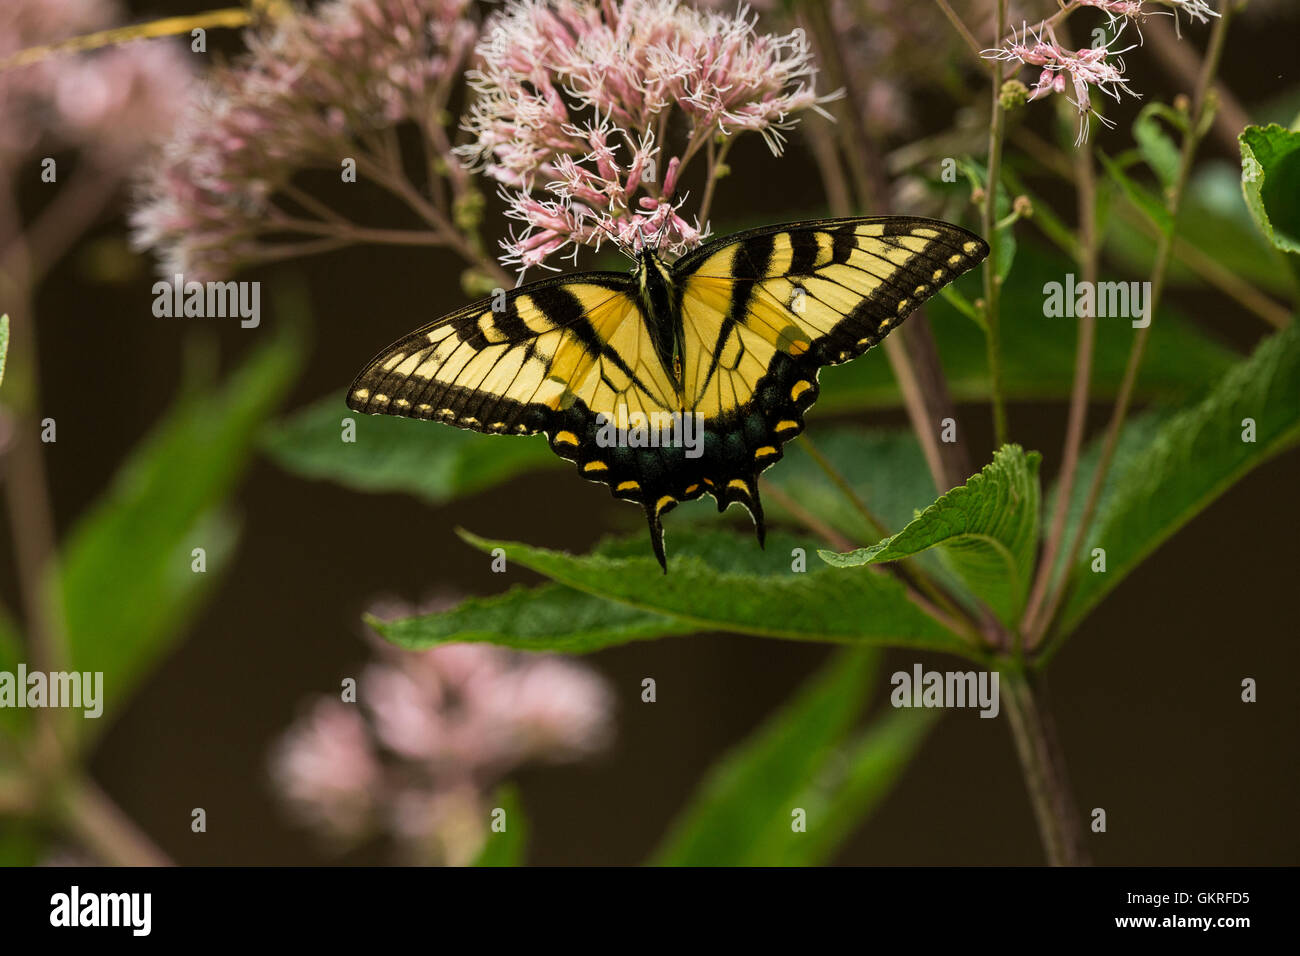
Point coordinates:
[(1136, 436), (1140, 196), (546, 618), (126, 583), (1157, 148), (721, 581), (431, 460), (4, 344), (507, 847), (1214, 220), (748, 796), (987, 530), (1270, 179), (1193, 458), (849, 786)]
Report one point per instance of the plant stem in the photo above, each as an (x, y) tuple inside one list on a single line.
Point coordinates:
[(30, 513), (908, 571), (712, 176), (919, 590), (354, 233), (971, 43), (393, 179), (1042, 761), (63, 220), (84, 809), (228, 18), (838, 541), (1205, 266), (992, 281), (1159, 272), (839, 481), (1180, 59), (818, 134), (101, 825), (913, 355), (1086, 191)]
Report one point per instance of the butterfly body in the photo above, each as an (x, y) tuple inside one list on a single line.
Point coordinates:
[(676, 380), (662, 307)]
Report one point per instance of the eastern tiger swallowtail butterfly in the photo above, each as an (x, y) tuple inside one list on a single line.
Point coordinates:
[(727, 340)]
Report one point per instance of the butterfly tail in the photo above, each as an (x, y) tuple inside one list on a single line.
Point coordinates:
[(656, 534), (756, 512)]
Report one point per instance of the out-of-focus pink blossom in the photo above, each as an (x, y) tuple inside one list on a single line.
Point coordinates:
[(326, 768), (431, 736), (314, 89), (444, 824), (114, 103), (575, 100)]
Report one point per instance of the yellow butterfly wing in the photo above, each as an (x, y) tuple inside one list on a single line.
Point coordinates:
[(508, 364), (759, 314)]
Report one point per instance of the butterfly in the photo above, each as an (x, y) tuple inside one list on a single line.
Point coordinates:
[(675, 380)]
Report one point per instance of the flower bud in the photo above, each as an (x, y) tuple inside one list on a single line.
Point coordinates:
[(1013, 94)]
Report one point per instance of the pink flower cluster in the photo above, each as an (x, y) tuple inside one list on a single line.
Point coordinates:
[(578, 99), (1100, 67), (314, 89), (112, 103), (431, 735)]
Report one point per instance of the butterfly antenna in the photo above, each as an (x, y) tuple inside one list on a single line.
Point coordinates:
[(614, 238)]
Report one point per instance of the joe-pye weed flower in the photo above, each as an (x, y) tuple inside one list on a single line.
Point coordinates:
[(589, 113)]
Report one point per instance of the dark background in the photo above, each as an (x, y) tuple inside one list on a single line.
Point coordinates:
[(1146, 693)]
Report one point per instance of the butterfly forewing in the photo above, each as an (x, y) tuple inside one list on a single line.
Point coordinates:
[(827, 290), (507, 364), (765, 310)]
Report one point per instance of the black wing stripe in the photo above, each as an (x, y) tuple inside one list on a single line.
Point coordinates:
[(758, 251), (803, 252)]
